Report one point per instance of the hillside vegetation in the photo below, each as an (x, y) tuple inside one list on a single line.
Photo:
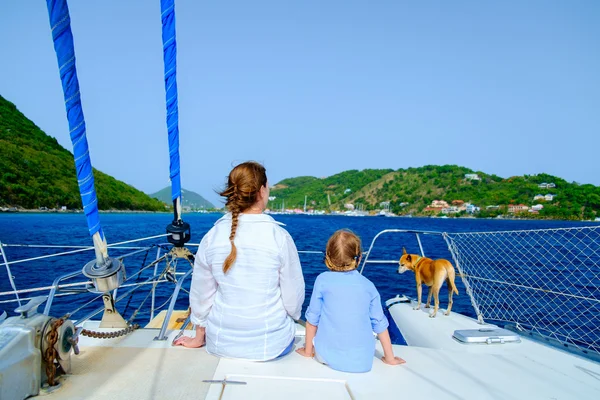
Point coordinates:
[(36, 171), (189, 199), (411, 190)]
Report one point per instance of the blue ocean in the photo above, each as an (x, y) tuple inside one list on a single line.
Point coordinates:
[(310, 233)]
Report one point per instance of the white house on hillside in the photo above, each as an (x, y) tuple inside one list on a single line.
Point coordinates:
[(471, 208), (472, 177), (450, 210), (546, 197)]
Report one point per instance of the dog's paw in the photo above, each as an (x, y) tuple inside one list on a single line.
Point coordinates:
[(447, 313), (427, 306), (416, 308), (432, 315)]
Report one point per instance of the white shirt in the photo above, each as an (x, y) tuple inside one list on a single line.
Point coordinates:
[(249, 312)]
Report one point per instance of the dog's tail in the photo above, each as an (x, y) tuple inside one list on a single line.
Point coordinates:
[(450, 272)]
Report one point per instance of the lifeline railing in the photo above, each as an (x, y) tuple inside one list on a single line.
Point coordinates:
[(544, 281), (60, 288)]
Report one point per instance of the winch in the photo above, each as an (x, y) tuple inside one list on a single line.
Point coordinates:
[(34, 349), (106, 275)]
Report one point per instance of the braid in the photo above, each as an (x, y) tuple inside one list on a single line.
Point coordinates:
[(235, 212), (241, 191)]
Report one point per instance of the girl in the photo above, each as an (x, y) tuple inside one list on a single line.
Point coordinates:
[(346, 309)]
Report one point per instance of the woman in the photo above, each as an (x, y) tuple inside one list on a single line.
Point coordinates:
[(247, 286)]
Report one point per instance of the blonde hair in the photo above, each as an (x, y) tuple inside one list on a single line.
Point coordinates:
[(243, 186), (343, 251)]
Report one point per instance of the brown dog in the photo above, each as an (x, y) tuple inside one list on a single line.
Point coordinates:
[(433, 273)]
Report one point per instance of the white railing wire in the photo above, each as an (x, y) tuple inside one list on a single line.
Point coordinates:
[(547, 281), (9, 273)]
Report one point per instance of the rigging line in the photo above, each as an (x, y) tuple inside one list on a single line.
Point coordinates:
[(85, 305), (165, 303), (41, 289), (139, 275), (9, 273), (135, 313), (158, 260), (53, 246), (138, 284), (144, 283), (121, 297), (82, 250), (29, 298), (122, 286), (139, 240)]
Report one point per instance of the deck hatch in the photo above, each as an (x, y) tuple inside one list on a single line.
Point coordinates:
[(486, 336)]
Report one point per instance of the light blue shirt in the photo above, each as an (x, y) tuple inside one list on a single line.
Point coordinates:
[(346, 308)]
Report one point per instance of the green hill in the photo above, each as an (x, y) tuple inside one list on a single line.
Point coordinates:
[(36, 171), (410, 191), (188, 198), (338, 187)]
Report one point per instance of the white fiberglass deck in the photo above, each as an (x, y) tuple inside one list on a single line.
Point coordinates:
[(136, 367)]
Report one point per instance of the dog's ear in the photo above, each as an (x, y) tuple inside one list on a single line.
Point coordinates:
[(408, 258), (403, 250)]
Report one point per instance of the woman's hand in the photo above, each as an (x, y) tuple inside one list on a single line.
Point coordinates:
[(393, 360), (302, 351), (192, 342)]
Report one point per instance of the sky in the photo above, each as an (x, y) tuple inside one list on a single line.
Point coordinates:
[(317, 87)]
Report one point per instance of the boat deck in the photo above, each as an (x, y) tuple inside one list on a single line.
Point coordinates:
[(137, 367)]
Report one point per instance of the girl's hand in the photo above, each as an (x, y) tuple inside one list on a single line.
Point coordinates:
[(393, 361), (192, 342), (302, 351)]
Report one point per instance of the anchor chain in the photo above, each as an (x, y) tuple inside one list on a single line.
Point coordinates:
[(109, 335), (50, 353)]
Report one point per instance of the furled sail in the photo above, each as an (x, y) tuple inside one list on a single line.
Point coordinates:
[(60, 24), (170, 64)]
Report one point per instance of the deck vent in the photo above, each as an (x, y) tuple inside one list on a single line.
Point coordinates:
[(486, 336)]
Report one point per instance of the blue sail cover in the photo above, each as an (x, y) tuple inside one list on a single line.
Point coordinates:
[(60, 22), (167, 8)]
